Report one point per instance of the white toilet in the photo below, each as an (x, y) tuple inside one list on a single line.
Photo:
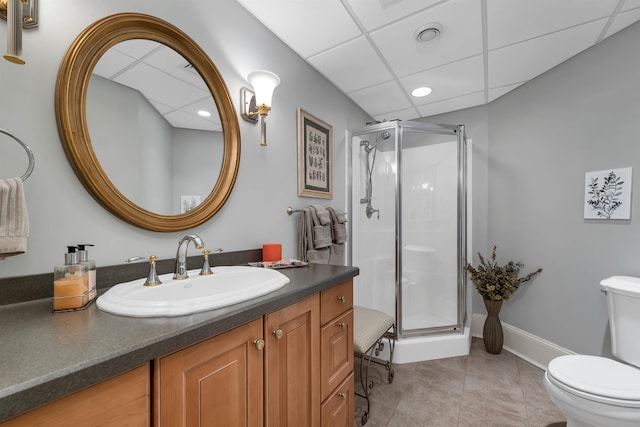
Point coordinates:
[(596, 391)]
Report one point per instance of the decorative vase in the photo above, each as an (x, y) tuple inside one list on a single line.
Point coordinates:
[(492, 331)]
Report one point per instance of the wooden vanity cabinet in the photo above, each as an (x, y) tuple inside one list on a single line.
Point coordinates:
[(215, 383), (120, 401), (292, 362), (292, 367)]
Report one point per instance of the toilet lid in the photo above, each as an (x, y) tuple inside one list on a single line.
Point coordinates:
[(597, 376)]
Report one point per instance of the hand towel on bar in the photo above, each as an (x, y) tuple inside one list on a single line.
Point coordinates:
[(323, 214), (336, 254), (321, 232), (14, 221), (304, 233), (339, 229), (306, 248)]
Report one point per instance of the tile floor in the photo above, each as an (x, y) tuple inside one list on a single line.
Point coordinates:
[(481, 389)]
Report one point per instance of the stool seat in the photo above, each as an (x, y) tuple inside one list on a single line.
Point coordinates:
[(369, 326)]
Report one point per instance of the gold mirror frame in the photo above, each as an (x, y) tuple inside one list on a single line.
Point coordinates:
[(70, 97)]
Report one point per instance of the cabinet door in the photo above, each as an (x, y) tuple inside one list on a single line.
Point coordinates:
[(218, 382), (336, 349), (337, 410), (120, 401), (293, 365)]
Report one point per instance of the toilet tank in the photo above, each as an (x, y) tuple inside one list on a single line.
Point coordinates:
[(623, 306)]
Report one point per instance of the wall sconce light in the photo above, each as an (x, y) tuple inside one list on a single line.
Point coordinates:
[(18, 14), (257, 104)]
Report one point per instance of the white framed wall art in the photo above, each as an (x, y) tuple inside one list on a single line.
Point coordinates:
[(607, 194)]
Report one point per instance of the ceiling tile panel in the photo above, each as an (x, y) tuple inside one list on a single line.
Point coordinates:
[(381, 98), (453, 104), (111, 63), (180, 119), (406, 114), (623, 20), (171, 62), (630, 4), (376, 13), (137, 48), (526, 60), (449, 81), (511, 21), (159, 86), (351, 66), (461, 37), (307, 26)]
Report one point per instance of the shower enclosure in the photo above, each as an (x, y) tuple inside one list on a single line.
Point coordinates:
[(407, 198)]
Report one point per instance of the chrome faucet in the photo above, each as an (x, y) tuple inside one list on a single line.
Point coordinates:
[(180, 271)]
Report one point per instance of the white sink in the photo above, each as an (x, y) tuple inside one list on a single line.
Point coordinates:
[(226, 286)]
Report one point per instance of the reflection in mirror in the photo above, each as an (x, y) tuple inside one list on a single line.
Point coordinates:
[(154, 126)]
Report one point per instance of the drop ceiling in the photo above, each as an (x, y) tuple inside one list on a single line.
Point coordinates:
[(165, 79), (485, 49)]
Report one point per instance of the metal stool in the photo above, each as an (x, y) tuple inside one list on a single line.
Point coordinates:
[(370, 327)]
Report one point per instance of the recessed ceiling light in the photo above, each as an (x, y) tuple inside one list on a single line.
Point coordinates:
[(428, 32), (421, 91), (204, 113)]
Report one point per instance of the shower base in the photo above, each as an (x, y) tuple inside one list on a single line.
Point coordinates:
[(418, 349)]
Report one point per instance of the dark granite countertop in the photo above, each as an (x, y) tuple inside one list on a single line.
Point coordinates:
[(45, 356)]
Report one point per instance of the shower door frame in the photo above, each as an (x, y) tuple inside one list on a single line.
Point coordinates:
[(398, 127)]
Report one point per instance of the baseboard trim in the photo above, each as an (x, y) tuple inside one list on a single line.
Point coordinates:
[(523, 344)]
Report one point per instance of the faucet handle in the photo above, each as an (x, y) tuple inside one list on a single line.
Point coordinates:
[(152, 278), (206, 269)]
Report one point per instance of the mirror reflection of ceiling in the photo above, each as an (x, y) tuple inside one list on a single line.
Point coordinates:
[(165, 78), (485, 48)]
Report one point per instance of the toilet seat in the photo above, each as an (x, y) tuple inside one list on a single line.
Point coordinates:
[(597, 378)]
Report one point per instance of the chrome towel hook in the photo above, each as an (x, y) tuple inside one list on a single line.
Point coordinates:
[(32, 159)]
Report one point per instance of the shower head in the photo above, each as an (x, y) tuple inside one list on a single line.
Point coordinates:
[(386, 134)]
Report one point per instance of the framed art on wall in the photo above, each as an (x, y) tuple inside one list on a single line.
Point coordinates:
[(607, 194), (314, 156)]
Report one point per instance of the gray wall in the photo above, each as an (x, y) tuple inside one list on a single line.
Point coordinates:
[(541, 139), (61, 212)]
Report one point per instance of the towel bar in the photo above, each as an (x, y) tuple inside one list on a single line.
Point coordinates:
[(32, 159)]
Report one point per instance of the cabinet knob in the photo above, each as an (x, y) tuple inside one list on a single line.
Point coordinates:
[(278, 333), (342, 299), (259, 344), (342, 395), (342, 325)]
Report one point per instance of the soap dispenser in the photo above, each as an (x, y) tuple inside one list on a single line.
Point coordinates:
[(70, 283), (83, 258)]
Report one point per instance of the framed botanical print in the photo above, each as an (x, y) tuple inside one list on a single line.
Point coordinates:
[(607, 194), (314, 156)]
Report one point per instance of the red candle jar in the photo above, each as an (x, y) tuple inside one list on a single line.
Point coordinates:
[(271, 252)]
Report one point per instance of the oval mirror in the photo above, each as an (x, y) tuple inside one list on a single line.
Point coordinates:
[(128, 94)]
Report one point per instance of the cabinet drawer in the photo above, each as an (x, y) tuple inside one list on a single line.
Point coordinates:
[(336, 349), (338, 409), (335, 301)]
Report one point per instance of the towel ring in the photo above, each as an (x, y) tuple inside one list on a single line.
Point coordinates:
[(32, 159)]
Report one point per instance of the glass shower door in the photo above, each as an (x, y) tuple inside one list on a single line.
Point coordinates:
[(428, 293)]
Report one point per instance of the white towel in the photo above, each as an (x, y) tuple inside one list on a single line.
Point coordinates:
[(14, 221)]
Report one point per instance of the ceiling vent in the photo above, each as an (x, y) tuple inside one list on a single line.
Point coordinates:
[(428, 32)]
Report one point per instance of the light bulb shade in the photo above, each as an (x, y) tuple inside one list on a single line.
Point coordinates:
[(263, 82)]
